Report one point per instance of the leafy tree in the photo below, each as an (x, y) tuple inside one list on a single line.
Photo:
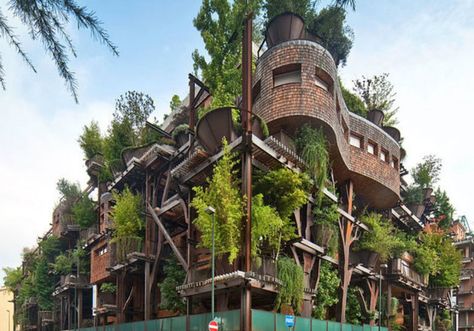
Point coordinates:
[(377, 92), (273, 8), (292, 290), (91, 140), (426, 173), (12, 278), (120, 136), (43, 285), (46, 20), (283, 189), (70, 191), (443, 210), (381, 238), (353, 102), (127, 214), (171, 300), (224, 196), (63, 264), (175, 103), (326, 295), (330, 25), (220, 25), (50, 248), (134, 107), (353, 308), (84, 213)]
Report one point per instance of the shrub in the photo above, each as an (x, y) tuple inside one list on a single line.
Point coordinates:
[(127, 214), (108, 287), (175, 275), (326, 295), (84, 213), (91, 140), (62, 264)]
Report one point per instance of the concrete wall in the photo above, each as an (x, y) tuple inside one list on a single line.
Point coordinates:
[(6, 319)]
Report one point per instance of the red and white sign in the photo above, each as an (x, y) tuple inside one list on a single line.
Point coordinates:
[(213, 326)]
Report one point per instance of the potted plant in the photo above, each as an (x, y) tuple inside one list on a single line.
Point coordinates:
[(375, 116), (180, 134), (393, 132), (107, 293), (283, 27)]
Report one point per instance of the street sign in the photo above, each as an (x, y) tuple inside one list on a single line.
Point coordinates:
[(213, 326), (290, 321)]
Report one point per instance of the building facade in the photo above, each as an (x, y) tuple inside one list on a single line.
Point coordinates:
[(6, 309)]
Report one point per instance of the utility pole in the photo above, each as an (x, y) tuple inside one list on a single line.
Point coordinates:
[(246, 111)]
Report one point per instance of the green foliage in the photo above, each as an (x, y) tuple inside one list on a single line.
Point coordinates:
[(182, 128), (436, 256), (63, 264), (311, 144), (175, 103), (426, 173), (224, 196), (292, 277), (283, 189), (46, 21), (326, 296), (353, 102), (327, 216), (84, 213), (134, 107), (174, 276), (381, 238), (91, 140), (413, 195), (273, 8), (330, 25), (108, 287), (70, 191), (378, 93), (50, 248), (443, 210), (443, 321), (12, 278), (120, 136), (353, 308), (43, 285), (268, 227), (219, 23), (127, 214), (80, 256)]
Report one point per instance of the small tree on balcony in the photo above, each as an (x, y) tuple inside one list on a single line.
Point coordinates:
[(91, 140), (426, 173)]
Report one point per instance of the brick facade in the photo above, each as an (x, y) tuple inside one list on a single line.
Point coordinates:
[(287, 106)]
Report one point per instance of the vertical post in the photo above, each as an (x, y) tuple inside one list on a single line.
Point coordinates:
[(79, 309), (380, 297), (415, 308), (246, 300), (147, 291), (389, 304), (213, 266)]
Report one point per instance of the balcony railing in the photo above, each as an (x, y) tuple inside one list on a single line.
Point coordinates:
[(401, 268), (465, 307), (122, 247), (46, 316), (67, 224)]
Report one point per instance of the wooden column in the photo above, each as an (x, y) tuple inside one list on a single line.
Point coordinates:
[(147, 290), (415, 311), (389, 304)]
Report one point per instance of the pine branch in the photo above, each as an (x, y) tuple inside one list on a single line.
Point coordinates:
[(7, 32), (2, 74)]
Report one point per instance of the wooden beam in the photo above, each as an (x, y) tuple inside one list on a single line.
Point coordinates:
[(167, 237)]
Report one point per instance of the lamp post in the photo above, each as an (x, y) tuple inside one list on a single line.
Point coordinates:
[(211, 211), (382, 266)]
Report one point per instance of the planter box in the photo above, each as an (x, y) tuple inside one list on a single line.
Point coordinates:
[(284, 27)]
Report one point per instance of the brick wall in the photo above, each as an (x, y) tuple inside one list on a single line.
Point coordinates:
[(287, 107), (100, 261)]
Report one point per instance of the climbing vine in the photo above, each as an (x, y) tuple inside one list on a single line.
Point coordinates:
[(326, 296), (292, 277), (170, 299)]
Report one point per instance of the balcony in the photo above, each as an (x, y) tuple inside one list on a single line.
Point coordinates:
[(401, 270), (71, 281), (465, 307), (123, 249), (46, 317), (466, 274), (67, 225), (466, 260), (465, 291)]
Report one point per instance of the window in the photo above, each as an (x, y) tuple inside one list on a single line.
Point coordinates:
[(355, 141), (384, 156), (372, 148), (394, 163), (287, 74), (324, 81), (102, 250)]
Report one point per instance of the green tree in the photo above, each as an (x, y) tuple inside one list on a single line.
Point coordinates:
[(330, 25), (353, 102), (377, 92), (43, 285), (443, 210), (12, 278), (292, 290), (91, 140), (273, 8), (426, 173), (84, 213), (50, 247), (70, 191), (127, 214), (224, 196), (220, 25), (46, 20), (120, 136)]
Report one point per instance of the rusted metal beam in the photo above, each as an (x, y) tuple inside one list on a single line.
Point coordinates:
[(167, 237)]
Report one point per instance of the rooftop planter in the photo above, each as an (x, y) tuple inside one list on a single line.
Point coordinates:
[(180, 134), (284, 27), (375, 116), (223, 123), (95, 164), (393, 132)]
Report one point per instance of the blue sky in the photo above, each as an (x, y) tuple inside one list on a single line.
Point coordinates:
[(426, 46)]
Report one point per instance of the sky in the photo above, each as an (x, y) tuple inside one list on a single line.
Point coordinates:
[(427, 47)]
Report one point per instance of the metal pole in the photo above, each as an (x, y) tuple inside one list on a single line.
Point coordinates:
[(380, 297), (213, 267)]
